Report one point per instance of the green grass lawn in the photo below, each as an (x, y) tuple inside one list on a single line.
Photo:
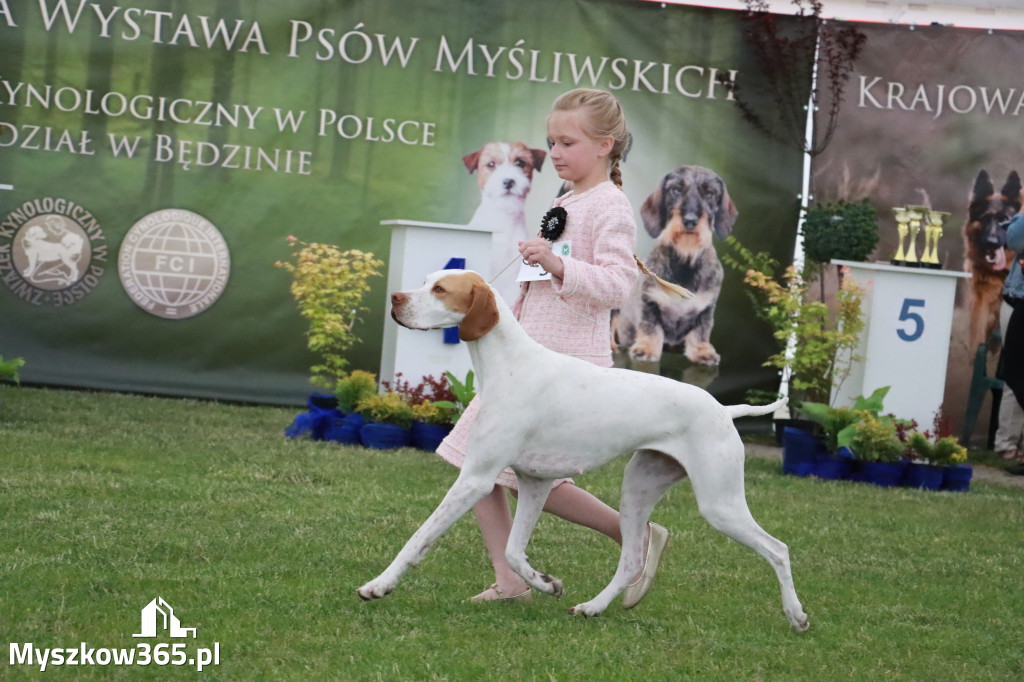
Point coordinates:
[(108, 501)]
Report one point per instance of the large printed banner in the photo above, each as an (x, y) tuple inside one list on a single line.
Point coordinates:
[(933, 118), (161, 153)]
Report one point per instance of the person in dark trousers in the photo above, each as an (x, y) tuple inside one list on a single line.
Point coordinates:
[(1013, 342)]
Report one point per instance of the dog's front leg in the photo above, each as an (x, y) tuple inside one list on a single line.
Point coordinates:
[(468, 489), (533, 492)]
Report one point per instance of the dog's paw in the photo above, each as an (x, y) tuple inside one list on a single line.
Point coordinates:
[(549, 585), (799, 622), (642, 352), (374, 590), (587, 610), (703, 354)]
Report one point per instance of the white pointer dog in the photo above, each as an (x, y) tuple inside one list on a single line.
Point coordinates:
[(551, 416)]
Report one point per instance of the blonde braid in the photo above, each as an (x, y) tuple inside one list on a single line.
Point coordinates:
[(615, 173)]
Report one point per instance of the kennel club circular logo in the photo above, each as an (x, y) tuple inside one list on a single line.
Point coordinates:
[(52, 251), (174, 263)]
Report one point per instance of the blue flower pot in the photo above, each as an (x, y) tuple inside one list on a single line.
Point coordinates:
[(834, 466), (323, 408), (923, 476), (428, 436), (957, 478), (345, 429), (800, 451), (383, 436), (885, 474)]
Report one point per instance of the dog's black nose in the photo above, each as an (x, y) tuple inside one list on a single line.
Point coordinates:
[(508, 183)]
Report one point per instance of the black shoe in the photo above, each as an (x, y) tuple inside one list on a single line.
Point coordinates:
[(1016, 470)]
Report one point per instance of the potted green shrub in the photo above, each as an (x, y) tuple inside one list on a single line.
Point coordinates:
[(434, 405), (816, 348), (837, 423), (876, 445), (432, 423), (932, 458), (837, 426), (332, 416), (356, 386), (840, 230), (348, 392), (388, 418), (328, 285)]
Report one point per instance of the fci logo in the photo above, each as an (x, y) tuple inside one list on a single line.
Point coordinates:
[(159, 613)]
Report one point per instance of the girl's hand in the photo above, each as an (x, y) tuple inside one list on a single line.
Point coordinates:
[(538, 251)]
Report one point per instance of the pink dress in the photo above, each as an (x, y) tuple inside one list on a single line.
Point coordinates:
[(573, 315)]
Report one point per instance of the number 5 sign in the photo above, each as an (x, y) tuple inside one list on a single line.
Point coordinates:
[(915, 317), (908, 316)]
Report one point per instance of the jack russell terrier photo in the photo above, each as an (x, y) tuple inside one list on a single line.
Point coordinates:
[(504, 171)]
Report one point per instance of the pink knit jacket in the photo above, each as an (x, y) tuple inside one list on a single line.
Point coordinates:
[(572, 315)]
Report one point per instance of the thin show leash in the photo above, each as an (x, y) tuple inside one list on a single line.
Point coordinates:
[(551, 227)]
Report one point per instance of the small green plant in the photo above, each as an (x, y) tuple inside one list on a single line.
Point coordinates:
[(875, 440), (329, 285), (430, 412), (823, 355), (942, 452), (463, 391), (357, 386), (388, 407), (9, 369), (839, 423)]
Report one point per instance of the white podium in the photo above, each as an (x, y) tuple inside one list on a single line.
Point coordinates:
[(908, 317), (418, 249)]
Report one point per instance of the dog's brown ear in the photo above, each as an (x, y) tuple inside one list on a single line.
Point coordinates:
[(472, 160), (650, 213), (538, 158), (726, 215), (1011, 190), (482, 314)]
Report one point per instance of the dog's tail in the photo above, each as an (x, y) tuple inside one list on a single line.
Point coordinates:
[(737, 411)]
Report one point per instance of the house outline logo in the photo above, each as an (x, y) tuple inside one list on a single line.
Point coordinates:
[(171, 624)]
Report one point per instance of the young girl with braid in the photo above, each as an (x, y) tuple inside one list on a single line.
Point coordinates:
[(570, 313)]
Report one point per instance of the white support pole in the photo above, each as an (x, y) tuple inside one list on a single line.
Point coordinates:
[(798, 247)]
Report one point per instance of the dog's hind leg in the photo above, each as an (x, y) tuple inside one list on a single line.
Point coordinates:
[(648, 475), (532, 494), (468, 489), (721, 500)]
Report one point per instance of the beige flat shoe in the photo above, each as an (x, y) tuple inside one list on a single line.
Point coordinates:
[(637, 589), (493, 588)]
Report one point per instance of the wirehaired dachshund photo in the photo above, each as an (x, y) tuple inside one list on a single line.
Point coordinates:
[(689, 207), (985, 250)]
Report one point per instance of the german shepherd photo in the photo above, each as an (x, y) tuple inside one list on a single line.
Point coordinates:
[(985, 254)]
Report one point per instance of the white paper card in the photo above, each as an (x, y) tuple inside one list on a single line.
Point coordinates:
[(535, 273)]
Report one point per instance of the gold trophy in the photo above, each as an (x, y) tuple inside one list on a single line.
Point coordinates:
[(916, 215), (902, 221), (933, 232)]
